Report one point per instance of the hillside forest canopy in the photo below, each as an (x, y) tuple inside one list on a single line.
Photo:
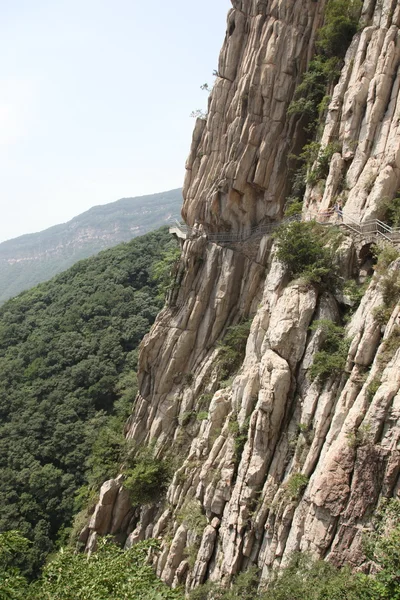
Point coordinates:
[(68, 354)]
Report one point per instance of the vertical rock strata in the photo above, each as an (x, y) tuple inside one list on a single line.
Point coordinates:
[(237, 168), (271, 462), (363, 118)]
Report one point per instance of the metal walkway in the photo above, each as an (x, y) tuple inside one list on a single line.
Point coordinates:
[(183, 231), (369, 230)]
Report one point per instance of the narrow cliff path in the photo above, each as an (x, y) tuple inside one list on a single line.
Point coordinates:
[(368, 231)]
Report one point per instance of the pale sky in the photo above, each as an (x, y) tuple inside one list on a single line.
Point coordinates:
[(95, 98)]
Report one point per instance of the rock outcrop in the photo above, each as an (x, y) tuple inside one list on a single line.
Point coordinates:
[(236, 173), (277, 462)]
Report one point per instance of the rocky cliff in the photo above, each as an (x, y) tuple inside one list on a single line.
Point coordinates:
[(270, 461)]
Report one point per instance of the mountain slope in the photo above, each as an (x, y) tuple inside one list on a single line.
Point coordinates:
[(67, 354), (31, 259)]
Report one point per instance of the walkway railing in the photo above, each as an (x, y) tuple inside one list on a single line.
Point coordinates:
[(367, 229), (184, 231), (371, 228)]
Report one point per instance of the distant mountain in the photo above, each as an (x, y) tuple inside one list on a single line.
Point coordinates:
[(36, 257)]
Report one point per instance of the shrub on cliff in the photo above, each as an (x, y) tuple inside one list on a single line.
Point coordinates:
[(331, 358), (109, 573), (147, 478), (392, 212), (311, 91), (302, 248), (232, 349), (334, 38), (341, 24), (303, 579)]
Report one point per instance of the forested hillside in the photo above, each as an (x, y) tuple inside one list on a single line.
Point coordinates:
[(67, 382), (36, 257)]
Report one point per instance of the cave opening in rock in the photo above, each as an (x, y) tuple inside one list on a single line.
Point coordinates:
[(367, 260)]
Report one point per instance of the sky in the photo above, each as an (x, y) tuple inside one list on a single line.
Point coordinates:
[(95, 101)]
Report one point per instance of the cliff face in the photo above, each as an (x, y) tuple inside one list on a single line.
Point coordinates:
[(238, 164), (278, 462)]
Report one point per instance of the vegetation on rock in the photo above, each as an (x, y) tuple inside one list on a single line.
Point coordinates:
[(340, 26), (110, 573), (232, 349), (305, 250), (308, 579), (389, 281), (392, 211), (311, 99), (115, 573), (331, 358), (147, 477)]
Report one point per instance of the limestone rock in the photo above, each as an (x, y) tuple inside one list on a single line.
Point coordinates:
[(102, 516)]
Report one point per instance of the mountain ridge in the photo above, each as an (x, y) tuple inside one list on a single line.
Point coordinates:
[(35, 257)]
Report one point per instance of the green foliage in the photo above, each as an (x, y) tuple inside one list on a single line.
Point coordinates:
[(390, 285), (192, 516), (110, 573), (302, 249), (331, 358), (320, 169), (296, 484), (310, 99), (355, 291), (361, 437), (382, 547), (390, 347), (205, 400), (244, 587), (232, 349), (310, 93), (382, 314), (294, 207), (387, 555), (147, 478), (202, 415), (392, 212), (373, 387), (162, 269), (303, 579), (11, 543), (13, 586), (67, 358), (385, 254), (341, 24), (240, 434), (389, 280), (308, 579)]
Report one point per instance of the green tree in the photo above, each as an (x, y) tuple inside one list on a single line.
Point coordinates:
[(110, 573), (331, 358), (306, 252), (68, 356), (341, 24)]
